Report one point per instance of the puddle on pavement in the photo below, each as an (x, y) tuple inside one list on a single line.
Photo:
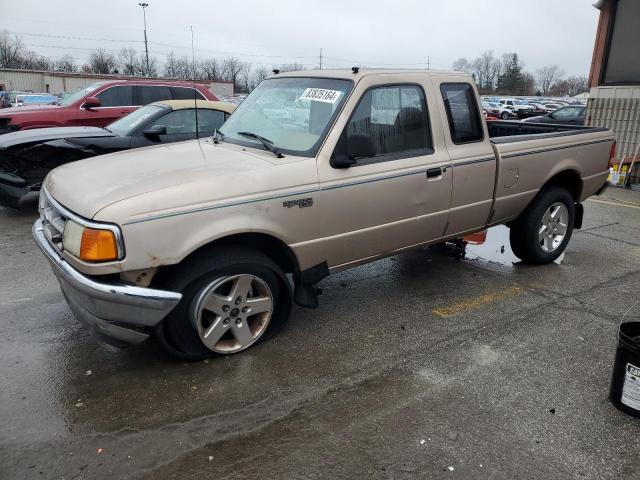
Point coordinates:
[(495, 248)]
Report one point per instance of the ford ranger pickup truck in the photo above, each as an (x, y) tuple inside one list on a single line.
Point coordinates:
[(207, 243)]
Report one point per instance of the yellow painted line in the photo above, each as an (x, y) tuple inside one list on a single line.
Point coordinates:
[(475, 302), (616, 204)]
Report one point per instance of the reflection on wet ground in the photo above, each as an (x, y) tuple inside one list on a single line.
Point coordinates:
[(494, 249)]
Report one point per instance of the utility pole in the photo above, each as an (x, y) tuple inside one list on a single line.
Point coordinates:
[(321, 59), (428, 62), (146, 47)]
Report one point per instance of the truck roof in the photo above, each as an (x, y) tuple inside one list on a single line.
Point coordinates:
[(348, 73)]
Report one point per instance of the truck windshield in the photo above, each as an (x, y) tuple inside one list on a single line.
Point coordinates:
[(294, 113)]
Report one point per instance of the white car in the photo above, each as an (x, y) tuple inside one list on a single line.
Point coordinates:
[(520, 107)]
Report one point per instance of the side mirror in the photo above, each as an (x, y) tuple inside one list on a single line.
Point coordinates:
[(357, 146), (91, 102), (153, 133)]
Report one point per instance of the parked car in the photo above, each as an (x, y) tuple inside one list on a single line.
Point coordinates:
[(26, 156), (571, 115), (99, 104), (36, 99), (194, 241), (502, 111), (552, 106), (538, 108), (520, 107)]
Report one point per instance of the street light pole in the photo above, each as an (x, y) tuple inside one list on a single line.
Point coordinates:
[(146, 48)]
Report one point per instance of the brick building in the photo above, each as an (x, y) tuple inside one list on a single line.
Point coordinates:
[(615, 76)]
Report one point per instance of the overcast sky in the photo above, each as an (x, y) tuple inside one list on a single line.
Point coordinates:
[(402, 33)]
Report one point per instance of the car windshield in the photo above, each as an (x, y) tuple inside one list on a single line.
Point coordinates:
[(293, 113), (521, 102), (74, 97), (128, 124)]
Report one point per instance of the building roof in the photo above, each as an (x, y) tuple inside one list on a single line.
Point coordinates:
[(183, 104), (108, 76)]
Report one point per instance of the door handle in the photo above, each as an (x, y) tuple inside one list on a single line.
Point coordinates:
[(434, 172)]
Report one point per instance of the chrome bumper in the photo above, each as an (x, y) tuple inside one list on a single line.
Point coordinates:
[(120, 314)]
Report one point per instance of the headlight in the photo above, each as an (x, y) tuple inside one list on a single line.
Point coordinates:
[(89, 244)]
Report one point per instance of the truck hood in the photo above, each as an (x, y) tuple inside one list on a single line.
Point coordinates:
[(46, 134), (87, 186)]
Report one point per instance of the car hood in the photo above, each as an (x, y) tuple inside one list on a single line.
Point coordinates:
[(45, 134), (26, 109), (88, 186)]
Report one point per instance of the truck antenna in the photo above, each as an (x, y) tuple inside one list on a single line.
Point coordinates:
[(195, 92)]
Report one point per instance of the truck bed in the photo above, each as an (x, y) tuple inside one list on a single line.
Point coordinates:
[(504, 131)]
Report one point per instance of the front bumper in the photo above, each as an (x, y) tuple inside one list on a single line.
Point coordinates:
[(119, 314)]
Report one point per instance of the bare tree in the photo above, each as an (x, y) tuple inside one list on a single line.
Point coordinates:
[(290, 67), (152, 71), (33, 61), (11, 50), (101, 61), (576, 85), (232, 67), (485, 70), (171, 66), (259, 74), (462, 65), (66, 63), (547, 76), (528, 83), (130, 62), (211, 69)]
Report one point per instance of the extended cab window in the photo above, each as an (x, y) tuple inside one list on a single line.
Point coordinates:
[(462, 112), (118, 96), (394, 118)]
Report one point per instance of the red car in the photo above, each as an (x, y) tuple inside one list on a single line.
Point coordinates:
[(99, 104)]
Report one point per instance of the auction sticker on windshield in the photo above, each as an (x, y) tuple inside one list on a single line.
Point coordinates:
[(321, 95)]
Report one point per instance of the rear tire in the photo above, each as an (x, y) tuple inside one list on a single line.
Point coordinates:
[(504, 115), (541, 233), (233, 298)]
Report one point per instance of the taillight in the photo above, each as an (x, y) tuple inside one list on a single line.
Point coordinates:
[(612, 154)]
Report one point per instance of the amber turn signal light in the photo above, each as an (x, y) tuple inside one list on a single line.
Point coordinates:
[(98, 245)]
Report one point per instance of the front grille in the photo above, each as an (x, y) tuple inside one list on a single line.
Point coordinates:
[(52, 221)]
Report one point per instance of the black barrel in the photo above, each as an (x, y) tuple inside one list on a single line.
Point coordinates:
[(625, 381)]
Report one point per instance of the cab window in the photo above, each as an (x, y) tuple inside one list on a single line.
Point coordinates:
[(392, 120)]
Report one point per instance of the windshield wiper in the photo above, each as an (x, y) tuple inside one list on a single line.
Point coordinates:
[(217, 136), (268, 144)]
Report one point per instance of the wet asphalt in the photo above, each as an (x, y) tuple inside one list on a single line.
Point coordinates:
[(417, 366)]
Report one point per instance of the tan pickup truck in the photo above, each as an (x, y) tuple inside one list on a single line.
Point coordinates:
[(207, 243)]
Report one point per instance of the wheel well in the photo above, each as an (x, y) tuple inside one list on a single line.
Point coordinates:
[(568, 179), (275, 249)]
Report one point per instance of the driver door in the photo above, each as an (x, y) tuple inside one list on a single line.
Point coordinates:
[(379, 204)]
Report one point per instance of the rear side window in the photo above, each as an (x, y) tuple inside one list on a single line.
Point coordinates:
[(462, 112), (118, 96), (394, 118), (186, 93), (149, 94)]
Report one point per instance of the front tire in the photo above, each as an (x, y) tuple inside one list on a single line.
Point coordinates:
[(233, 298), (541, 233)]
